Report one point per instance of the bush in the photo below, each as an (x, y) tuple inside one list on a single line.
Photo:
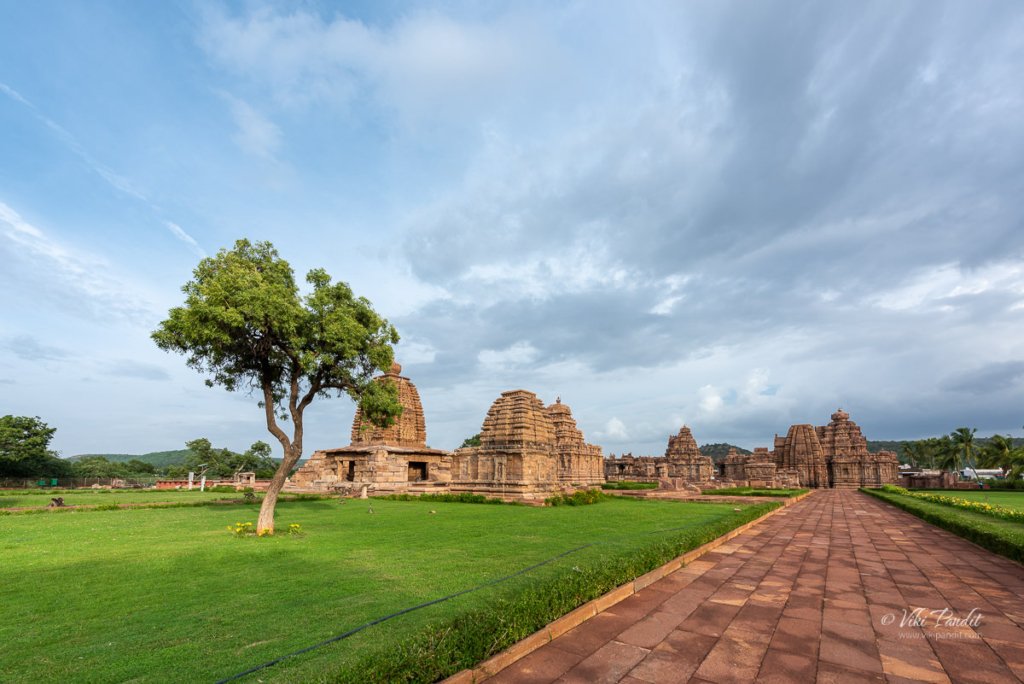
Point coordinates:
[(626, 485), (1005, 484), (584, 497), (1004, 538), (750, 491)]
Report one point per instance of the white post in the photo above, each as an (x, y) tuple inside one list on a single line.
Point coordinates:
[(202, 484), (191, 479)]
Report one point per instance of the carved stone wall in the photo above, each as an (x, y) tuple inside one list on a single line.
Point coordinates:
[(578, 462), (408, 430), (395, 458), (682, 461), (517, 455), (834, 455), (801, 451)]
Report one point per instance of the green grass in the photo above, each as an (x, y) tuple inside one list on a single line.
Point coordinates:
[(90, 497), (1001, 536), (629, 485), (155, 595), (750, 491), (1010, 499)]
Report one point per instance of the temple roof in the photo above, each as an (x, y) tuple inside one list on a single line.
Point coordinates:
[(408, 430), (516, 417)]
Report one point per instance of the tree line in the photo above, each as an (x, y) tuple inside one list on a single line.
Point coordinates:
[(961, 449), (25, 453)]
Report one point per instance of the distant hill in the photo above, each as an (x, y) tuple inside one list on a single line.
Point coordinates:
[(720, 450), (160, 459)]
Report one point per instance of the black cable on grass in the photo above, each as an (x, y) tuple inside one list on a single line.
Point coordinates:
[(355, 630), (360, 628)]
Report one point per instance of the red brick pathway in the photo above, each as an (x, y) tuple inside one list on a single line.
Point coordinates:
[(815, 593)]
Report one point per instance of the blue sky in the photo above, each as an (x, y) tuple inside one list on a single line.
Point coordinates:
[(738, 216)]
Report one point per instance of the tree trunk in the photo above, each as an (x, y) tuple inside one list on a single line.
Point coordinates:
[(265, 523)]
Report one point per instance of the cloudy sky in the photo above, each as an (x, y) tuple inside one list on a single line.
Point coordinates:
[(734, 215)]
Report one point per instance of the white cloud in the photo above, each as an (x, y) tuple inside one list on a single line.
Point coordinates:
[(710, 399), (932, 288), (180, 233), (614, 431), (73, 276), (518, 354), (257, 135), (425, 63)]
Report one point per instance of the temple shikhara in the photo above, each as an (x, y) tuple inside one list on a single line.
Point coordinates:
[(529, 451), (392, 458), (681, 464), (833, 455)]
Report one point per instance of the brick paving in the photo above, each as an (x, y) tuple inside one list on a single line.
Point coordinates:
[(817, 592)]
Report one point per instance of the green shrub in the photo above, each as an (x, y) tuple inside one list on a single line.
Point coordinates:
[(583, 497), (107, 507), (1002, 537), (626, 485), (750, 491)]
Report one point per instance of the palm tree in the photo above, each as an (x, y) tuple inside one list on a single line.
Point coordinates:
[(998, 452), (963, 438)]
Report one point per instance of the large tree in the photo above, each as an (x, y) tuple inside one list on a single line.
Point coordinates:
[(246, 325), (25, 449)]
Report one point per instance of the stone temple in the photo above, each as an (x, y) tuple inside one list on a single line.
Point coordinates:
[(681, 464), (833, 455), (527, 451), (395, 458)]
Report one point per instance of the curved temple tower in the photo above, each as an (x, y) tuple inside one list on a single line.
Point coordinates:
[(395, 458)]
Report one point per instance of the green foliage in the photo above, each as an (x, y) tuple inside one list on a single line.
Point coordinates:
[(473, 441), (750, 491), (720, 450), (583, 497), (627, 485), (224, 463), (1000, 536), (160, 460), (245, 325), (25, 449)]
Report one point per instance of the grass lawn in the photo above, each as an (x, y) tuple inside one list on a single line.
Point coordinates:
[(750, 491), (160, 595), (1001, 536), (1010, 499), (90, 497)]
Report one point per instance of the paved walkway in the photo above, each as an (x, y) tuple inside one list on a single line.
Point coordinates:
[(818, 593)]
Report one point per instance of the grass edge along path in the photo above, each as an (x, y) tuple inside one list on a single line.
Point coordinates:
[(573, 618), (994, 534), (448, 646), (751, 491)]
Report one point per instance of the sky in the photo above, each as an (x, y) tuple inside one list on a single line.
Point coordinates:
[(733, 215)]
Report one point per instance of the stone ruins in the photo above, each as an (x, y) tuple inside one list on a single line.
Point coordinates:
[(395, 458), (681, 464), (833, 455), (527, 451)]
